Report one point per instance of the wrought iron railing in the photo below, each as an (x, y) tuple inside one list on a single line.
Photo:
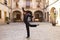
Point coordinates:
[(5, 5), (50, 4)]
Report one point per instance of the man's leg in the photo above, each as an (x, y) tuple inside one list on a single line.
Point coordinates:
[(33, 25), (28, 31)]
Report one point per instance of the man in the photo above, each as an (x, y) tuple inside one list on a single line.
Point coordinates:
[(26, 15)]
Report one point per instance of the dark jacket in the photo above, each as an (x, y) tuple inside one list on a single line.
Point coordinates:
[(26, 17)]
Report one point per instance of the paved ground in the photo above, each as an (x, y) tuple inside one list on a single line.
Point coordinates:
[(17, 31)]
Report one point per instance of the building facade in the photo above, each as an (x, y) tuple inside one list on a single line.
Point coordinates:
[(4, 11), (36, 7), (13, 10)]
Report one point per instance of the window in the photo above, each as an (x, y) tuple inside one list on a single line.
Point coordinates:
[(27, 3), (5, 2), (0, 13), (38, 3), (16, 0)]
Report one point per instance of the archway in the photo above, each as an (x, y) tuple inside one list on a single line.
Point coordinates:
[(38, 16), (16, 16)]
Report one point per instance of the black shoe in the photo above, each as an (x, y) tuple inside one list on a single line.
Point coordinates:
[(27, 37), (36, 25)]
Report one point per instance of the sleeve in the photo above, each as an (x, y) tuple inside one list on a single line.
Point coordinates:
[(30, 15)]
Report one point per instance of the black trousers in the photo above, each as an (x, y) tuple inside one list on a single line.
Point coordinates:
[(27, 28), (28, 31)]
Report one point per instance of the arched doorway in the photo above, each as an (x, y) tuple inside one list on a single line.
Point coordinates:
[(29, 18), (38, 16), (16, 16), (53, 15)]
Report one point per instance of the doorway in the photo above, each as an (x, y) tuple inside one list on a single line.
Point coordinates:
[(16, 16), (38, 16)]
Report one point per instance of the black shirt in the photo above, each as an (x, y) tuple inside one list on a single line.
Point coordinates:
[(26, 17)]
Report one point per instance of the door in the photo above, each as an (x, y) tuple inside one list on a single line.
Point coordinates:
[(38, 16), (5, 15), (16, 16)]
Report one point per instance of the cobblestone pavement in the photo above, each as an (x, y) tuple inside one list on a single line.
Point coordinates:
[(17, 31)]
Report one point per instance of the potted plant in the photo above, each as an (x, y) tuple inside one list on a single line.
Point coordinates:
[(54, 21)]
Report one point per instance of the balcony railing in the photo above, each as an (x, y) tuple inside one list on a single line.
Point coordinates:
[(54, 2), (5, 5), (50, 4)]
